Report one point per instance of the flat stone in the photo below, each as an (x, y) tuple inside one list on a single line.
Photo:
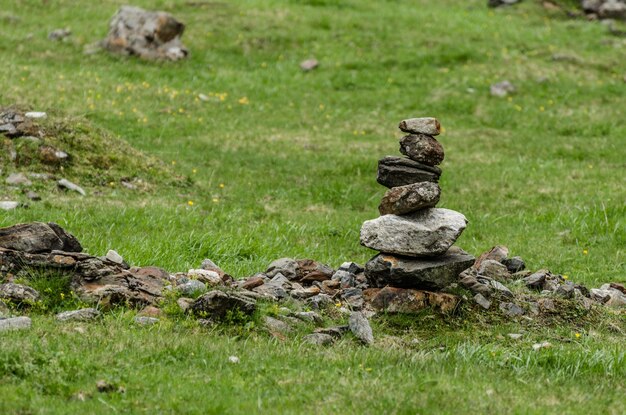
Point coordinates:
[(361, 328), (9, 205), (501, 89), (15, 323), (319, 339), (511, 309), (482, 301), (410, 198), (66, 184), (400, 171), (252, 282), (426, 273), (309, 65), (537, 280), (351, 267), (210, 278), (308, 316), (146, 321), (34, 196), (286, 266), (273, 291), (113, 256), (36, 114), (84, 314), (494, 270), (18, 293), (423, 125), (498, 253), (18, 179), (422, 148), (274, 325), (353, 298), (409, 301), (320, 302), (305, 293), (336, 332)]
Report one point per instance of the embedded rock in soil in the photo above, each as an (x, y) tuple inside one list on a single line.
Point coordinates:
[(424, 233), (218, 304), (319, 339), (410, 198), (360, 327), (84, 314), (18, 293), (15, 323), (36, 237), (409, 301), (400, 171), (424, 125), (426, 273), (147, 34), (422, 148)]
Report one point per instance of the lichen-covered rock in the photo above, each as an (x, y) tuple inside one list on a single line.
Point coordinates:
[(428, 232), (150, 35), (422, 148), (410, 198)]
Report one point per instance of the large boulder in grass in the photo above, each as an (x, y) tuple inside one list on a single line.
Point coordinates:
[(152, 35), (38, 237)]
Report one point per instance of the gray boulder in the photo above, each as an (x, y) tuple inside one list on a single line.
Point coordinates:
[(427, 232)]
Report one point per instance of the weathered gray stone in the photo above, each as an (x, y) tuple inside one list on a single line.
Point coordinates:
[(468, 279), (320, 302), (286, 266), (351, 267), (426, 273), (113, 256), (191, 287), (501, 89), (18, 293), (400, 171), (208, 277), (511, 309), (427, 232), (537, 280), (336, 332), (319, 339), (304, 293), (422, 148), (146, 321), (424, 125), (9, 204), (66, 184), (147, 34), (361, 328), (272, 291), (498, 253), (515, 264), (38, 237), (218, 304), (494, 270), (18, 179), (309, 316), (309, 271), (274, 325), (353, 298), (410, 198), (482, 301), (84, 314), (15, 323), (309, 65)]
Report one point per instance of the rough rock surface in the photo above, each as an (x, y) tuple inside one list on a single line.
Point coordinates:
[(217, 304), (36, 237), (424, 125), (18, 293), (148, 34), (84, 314), (422, 148), (361, 328), (15, 323), (425, 273), (606, 9), (427, 232), (319, 339), (400, 171), (410, 198), (409, 301)]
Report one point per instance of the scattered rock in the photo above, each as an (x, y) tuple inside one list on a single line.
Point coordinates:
[(542, 345), (536, 281), (469, 280), (191, 287), (353, 298), (410, 198), (423, 233), (34, 196), (360, 327), (409, 301), (233, 359), (515, 264), (320, 302), (285, 266), (515, 336), (54, 157), (18, 179), (498, 253), (15, 323), (59, 34), (502, 89), (494, 270), (84, 314), (9, 205), (271, 290), (424, 125), (335, 332), (252, 282), (422, 148), (218, 304), (427, 273), (511, 309), (498, 3), (184, 303), (66, 184), (400, 171), (18, 293), (482, 301), (208, 277), (146, 321), (305, 292), (308, 316), (113, 256), (319, 339), (147, 34), (276, 326), (309, 65)]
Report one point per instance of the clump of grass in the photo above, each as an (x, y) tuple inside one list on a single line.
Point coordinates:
[(55, 292)]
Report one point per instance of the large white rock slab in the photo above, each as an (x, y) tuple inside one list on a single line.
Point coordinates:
[(428, 232)]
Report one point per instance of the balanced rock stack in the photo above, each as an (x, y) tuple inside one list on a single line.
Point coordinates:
[(414, 237)]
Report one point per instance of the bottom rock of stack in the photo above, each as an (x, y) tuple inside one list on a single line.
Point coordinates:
[(433, 273)]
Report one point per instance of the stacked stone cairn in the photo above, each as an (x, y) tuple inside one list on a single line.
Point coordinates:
[(413, 236)]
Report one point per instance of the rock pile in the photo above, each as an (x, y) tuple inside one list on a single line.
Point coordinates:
[(605, 9), (414, 237), (150, 35)]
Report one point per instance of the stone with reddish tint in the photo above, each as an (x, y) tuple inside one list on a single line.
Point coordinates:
[(409, 301), (423, 125), (410, 198), (422, 148), (497, 253)]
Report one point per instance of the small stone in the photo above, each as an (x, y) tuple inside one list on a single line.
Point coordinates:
[(515, 264), (341, 279), (53, 156), (233, 359), (191, 287), (546, 304), (469, 280), (425, 125), (494, 270), (58, 34), (422, 148), (37, 237), (275, 325), (542, 345), (36, 115), (84, 314), (498, 253), (18, 179), (566, 290), (353, 298), (536, 281), (502, 89), (9, 205), (427, 232), (104, 387), (209, 265), (252, 282), (33, 196), (482, 301), (410, 198), (273, 291), (66, 184), (113, 256), (319, 339), (18, 293), (515, 336), (286, 266), (426, 273), (409, 301), (309, 65), (320, 302), (15, 323), (498, 287), (308, 271), (511, 309), (336, 332), (400, 171), (305, 293), (184, 303), (207, 277), (309, 316), (146, 321), (360, 327), (351, 267), (151, 311)]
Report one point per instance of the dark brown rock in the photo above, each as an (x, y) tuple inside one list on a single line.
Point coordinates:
[(401, 171), (218, 304), (37, 237), (409, 301), (422, 148), (410, 198), (497, 253), (309, 270), (252, 282)]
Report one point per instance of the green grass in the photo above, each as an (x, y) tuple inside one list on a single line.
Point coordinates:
[(541, 173)]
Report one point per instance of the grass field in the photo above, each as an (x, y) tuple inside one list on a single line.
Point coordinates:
[(281, 163)]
